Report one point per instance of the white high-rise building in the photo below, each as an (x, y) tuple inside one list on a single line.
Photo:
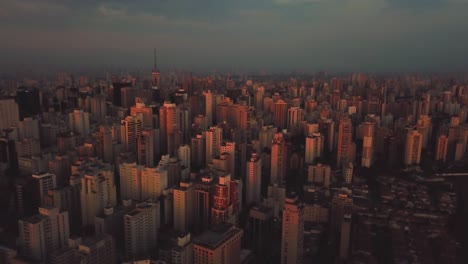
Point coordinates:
[(320, 174), (131, 128), (294, 117), (141, 229), (79, 122), (43, 233), (97, 191), (44, 182), (314, 147), (213, 138), (292, 240), (184, 205), (183, 153), (130, 181), (413, 147), (9, 113), (254, 179), (229, 147), (153, 183), (348, 173)]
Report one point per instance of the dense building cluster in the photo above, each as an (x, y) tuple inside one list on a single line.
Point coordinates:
[(186, 169)]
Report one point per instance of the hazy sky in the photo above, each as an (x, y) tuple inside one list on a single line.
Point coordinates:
[(339, 35)]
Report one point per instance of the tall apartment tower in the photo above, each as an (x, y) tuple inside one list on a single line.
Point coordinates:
[(345, 133), (97, 191), (213, 138), (278, 159), (345, 236), (229, 147), (260, 230), (130, 181), (220, 245), (183, 153), (220, 209), (141, 229), (319, 174), (413, 147), (342, 202), (254, 179), (314, 147), (153, 182), (209, 106), (368, 133), (441, 148), (43, 182), (9, 113), (292, 240), (197, 150), (43, 233), (104, 143), (294, 117), (98, 107), (259, 99), (184, 206), (203, 202), (348, 173), (280, 117), (131, 128), (169, 126), (145, 148), (145, 113), (79, 122)]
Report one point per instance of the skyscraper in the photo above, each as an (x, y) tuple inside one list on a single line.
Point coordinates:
[(281, 114), (131, 128), (294, 118), (319, 174), (368, 144), (254, 179), (130, 181), (97, 191), (184, 206), (220, 245), (345, 238), (278, 159), (314, 147), (345, 132), (292, 240), (79, 122), (43, 182), (220, 209), (145, 148), (43, 233), (209, 106), (213, 138), (169, 126), (153, 182), (441, 148), (141, 229), (413, 147)]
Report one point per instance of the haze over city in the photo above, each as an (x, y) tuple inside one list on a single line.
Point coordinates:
[(272, 35)]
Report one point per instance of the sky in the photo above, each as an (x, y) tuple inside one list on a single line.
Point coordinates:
[(245, 35)]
